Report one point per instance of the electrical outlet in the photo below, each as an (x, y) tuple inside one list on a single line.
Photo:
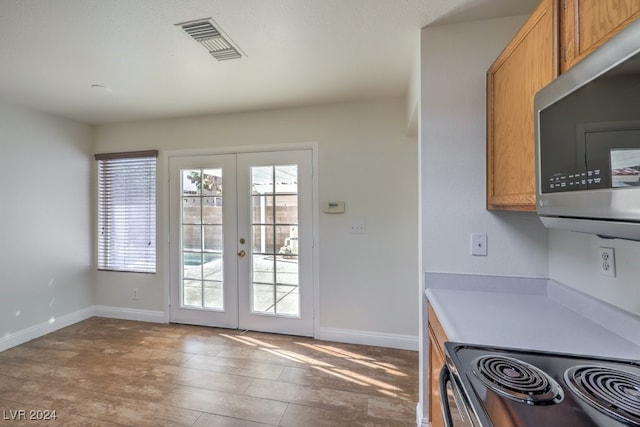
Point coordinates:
[(358, 228), (478, 244), (607, 261), (134, 293)]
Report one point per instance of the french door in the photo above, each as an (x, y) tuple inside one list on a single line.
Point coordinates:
[(241, 241)]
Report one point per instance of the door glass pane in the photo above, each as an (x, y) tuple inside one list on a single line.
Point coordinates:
[(192, 266), (191, 210), (262, 209), (212, 182), (192, 237), (262, 180), (212, 267), (263, 298), (212, 294), (213, 238), (191, 182), (286, 209), (192, 291), (288, 299), (212, 210), (286, 179), (201, 245), (275, 274), (262, 267), (262, 238), (287, 271)]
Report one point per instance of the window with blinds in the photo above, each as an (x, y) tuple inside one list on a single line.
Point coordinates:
[(127, 211)]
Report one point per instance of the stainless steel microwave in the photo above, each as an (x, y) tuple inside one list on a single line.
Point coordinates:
[(587, 128)]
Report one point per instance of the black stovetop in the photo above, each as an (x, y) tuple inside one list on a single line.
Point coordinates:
[(554, 389)]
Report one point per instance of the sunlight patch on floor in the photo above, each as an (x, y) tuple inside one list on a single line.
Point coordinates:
[(356, 358), (291, 355), (344, 374)]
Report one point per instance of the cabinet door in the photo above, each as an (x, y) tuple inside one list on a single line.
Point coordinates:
[(586, 24), (437, 338), (528, 63), (436, 362)]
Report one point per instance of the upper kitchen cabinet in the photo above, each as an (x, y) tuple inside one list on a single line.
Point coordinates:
[(586, 24), (528, 63)]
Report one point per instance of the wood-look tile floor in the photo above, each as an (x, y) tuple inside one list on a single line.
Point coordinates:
[(107, 372)]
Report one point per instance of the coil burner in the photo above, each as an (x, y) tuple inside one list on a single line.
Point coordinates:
[(517, 380), (612, 391)]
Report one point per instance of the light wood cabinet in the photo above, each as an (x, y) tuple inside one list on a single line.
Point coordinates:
[(529, 62), (437, 338), (586, 24)]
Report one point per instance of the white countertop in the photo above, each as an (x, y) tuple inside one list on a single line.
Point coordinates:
[(537, 316)]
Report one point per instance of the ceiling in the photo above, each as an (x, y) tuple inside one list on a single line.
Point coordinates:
[(298, 52)]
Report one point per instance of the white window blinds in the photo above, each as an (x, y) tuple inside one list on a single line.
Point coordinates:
[(127, 211)]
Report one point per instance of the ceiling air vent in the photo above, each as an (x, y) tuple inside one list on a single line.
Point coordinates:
[(208, 35)]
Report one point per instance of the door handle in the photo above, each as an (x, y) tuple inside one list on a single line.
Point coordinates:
[(242, 253)]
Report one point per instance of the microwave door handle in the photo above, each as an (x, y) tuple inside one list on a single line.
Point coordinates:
[(445, 377)]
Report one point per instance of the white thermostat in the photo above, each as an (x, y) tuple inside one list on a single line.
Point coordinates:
[(334, 207)]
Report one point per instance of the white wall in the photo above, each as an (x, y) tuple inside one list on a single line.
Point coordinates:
[(455, 59), (45, 219), (574, 261), (367, 282)]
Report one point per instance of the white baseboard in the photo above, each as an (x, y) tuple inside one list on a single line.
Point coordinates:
[(129, 314), (403, 342), (45, 328), (379, 339)]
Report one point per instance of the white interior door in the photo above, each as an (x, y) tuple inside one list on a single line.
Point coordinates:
[(241, 241)]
